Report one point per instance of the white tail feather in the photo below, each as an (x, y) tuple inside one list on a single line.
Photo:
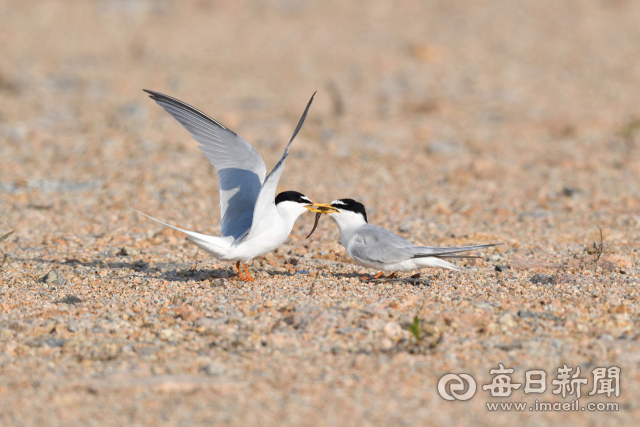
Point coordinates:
[(216, 246), (437, 262)]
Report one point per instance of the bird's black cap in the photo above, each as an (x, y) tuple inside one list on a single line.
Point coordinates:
[(292, 196), (350, 205)]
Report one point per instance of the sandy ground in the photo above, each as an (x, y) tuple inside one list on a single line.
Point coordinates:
[(455, 122)]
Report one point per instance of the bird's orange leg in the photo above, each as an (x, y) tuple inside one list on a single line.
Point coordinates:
[(240, 276), (377, 276), (249, 278), (392, 275)]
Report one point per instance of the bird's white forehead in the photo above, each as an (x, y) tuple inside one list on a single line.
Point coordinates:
[(306, 198), (338, 202)]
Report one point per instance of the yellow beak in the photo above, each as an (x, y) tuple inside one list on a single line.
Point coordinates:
[(322, 208)]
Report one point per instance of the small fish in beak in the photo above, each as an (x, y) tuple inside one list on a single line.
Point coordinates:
[(319, 209), (315, 225)]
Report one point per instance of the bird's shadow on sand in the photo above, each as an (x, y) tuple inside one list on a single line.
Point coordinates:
[(170, 271), (202, 274), (372, 279), (99, 263), (183, 272), (174, 272)]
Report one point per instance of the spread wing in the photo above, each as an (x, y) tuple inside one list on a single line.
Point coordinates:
[(240, 168), (377, 244), (265, 204)]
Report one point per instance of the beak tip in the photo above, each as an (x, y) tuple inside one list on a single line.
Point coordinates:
[(321, 208)]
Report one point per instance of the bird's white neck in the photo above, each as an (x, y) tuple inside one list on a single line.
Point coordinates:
[(348, 222), (289, 212)]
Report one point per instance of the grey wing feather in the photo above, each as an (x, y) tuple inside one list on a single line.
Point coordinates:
[(448, 251), (267, 196), (376, 244), (239, 166)]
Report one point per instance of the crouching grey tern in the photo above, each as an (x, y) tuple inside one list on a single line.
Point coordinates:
[(374, 247), (254, 220)]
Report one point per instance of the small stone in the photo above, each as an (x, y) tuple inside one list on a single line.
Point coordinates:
[(262, 274), (386, 344), (69, 299), (428, 329), (509, 346), (524, 314), (272, 260), (53, 342), (123, 252), (214, 368), (507, 320), (18, 326), (209, 323), (393, 331), (216, 283), (419, 282), (492, 327), (52, 278), (542, 279), (139, 265), (206, 322), (73, 327), (146, 350), (501, 268), (170, 334), (374, 324), (622, 320), (606, 265), (619, 261)]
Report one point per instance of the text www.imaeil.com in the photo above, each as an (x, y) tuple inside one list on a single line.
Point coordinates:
[(574, 405)]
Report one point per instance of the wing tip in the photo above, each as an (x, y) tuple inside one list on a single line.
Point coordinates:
[(152, 94), (457, 250), (301, 122), (161, 97)]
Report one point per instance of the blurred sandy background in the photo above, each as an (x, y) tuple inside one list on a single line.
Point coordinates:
[(455, 122)]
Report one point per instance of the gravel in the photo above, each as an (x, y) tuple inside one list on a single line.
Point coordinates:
[(455, 123)]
